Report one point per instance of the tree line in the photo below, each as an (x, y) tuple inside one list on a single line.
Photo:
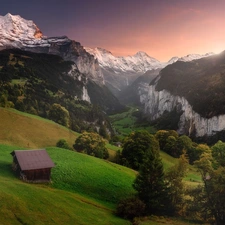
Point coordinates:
[(163, 192)]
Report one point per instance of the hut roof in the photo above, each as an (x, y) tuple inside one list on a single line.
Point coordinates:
[(33, 159)]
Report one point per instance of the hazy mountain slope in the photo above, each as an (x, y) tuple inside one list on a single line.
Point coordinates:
[(131, 95), (32, 82), (120, 72), (195, 91), (201, 82)]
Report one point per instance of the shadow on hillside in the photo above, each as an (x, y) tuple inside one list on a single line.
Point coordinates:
[(6, 169)]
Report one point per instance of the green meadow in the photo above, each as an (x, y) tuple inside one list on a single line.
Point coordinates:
[(124, 123), (84, 190)]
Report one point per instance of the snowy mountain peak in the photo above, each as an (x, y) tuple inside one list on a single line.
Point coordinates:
[(144, 55), (188, 57), (103, 50), (138, 63), (191, 57), (141, 54), (15, 26), (173, 60), (16, 31)]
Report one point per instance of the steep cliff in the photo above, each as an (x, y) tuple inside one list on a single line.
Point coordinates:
[(195, 90), (159, 102), (34, 82)]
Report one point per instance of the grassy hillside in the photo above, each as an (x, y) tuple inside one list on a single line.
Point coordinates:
[(22, 129), (33, 204), (89, 176), (84, 189)]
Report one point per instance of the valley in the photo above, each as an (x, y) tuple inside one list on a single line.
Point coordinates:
[(140, 141), (80, 183)]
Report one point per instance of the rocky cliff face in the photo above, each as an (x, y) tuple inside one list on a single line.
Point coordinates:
[(71, 51), (159, 102), (195, 90)]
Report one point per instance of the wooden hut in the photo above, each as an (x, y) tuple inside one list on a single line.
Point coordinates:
[(32, 165)]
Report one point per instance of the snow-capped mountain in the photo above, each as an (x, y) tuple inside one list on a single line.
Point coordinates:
[(191, 57), (16, 32), (120, 72), (138, 63), (19, 33)]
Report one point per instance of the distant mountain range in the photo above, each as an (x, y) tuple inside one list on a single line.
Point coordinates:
[(120, 72), (189, 88)]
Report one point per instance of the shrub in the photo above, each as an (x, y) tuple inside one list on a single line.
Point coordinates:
[(62, 143), (130, 208), (91, 144)]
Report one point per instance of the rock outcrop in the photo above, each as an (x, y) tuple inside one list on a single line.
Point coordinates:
[(158, 102)]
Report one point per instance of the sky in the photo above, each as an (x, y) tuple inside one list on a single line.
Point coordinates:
[(161, 28)]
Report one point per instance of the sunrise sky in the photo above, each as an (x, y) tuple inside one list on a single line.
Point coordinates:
[(162, 28)]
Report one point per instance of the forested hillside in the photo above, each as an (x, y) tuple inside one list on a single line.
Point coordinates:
[(48, 86)]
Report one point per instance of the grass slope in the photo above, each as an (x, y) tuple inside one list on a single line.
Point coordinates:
[(25, 130), (84, 189), (92, 177), (22, 203)]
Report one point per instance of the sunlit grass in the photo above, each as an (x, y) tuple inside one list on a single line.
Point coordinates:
[(70, 199), (30, 131)]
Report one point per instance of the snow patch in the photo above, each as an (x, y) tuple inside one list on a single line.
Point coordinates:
[(85, 96)]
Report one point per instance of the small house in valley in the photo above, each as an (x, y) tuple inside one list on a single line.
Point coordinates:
[(32, 165)]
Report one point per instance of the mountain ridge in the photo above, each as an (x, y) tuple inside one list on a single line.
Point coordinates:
[(17, 32), (121, 71)]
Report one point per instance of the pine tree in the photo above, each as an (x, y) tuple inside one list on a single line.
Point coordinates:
[(150, 184)]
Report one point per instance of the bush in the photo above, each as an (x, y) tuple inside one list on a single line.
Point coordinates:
[(62, 143), (91, 144), (130, 208)]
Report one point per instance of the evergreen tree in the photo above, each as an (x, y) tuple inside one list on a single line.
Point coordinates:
[(150, 184), (176, 185), (210, 197)]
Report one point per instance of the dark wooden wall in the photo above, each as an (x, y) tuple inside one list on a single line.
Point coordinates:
[(36, 175)]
